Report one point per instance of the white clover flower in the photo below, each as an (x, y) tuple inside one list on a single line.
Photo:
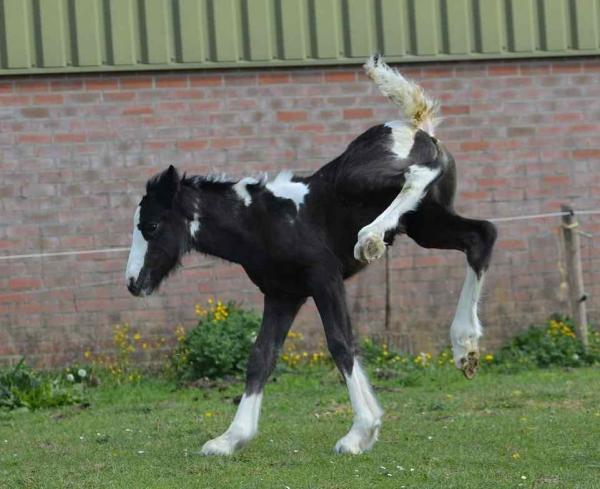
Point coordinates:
[(70, 378), (82, 373)]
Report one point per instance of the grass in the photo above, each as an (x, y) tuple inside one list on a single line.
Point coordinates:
[(536, 429)]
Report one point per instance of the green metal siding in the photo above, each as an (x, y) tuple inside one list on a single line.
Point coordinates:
[(39, 36)]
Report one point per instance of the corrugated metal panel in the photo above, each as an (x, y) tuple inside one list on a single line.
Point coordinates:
[(38, 36)]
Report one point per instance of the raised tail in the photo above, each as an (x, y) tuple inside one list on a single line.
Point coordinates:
[(417, 108)]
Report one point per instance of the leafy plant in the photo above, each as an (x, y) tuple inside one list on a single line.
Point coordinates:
[(219, 345), (294, 356), (552, 344), (406, 370), (122, 365), (23, 387)]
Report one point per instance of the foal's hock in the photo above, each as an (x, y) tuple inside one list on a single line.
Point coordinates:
[(301, 237)]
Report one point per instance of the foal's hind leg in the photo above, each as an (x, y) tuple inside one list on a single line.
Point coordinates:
[(278, 316), (434, 226), (370, 245), (329, 297)]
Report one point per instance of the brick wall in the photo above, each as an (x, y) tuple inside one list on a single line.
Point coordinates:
[(76, 151)]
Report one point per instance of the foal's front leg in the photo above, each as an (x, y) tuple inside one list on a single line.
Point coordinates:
[(277, 319), (331, 302)]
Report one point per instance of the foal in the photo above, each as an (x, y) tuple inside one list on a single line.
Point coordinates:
[(302, 237)]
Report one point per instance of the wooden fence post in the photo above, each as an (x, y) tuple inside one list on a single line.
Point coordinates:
[(388, 293), (577, 296)]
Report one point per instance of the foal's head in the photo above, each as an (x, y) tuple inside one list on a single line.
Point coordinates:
[(160, 234)]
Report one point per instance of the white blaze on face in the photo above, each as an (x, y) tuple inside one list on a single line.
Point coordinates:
[(137, 254)]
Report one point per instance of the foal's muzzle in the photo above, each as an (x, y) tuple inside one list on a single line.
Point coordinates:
[(138, 288), (134, 288)]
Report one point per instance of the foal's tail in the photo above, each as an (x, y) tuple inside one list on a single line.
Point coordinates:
[(417, 108)]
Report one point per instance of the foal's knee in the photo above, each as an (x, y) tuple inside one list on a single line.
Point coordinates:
[(480, 244)]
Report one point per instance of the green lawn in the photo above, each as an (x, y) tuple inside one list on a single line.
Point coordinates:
[(538, 429)]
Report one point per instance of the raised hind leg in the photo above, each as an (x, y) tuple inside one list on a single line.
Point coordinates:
[(370, 245), (435, 226)]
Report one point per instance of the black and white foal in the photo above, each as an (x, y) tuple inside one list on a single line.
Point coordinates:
[(302, 237)]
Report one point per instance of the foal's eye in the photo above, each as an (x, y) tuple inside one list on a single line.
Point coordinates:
[(149, 229)]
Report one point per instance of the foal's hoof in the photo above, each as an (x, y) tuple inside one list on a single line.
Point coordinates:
[(369, 248), (219, 446), (349, 444), (470, 364)]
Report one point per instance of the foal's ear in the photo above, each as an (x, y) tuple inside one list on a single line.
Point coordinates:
[(167, 185)]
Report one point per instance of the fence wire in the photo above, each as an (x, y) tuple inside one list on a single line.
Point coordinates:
[(42, 255)]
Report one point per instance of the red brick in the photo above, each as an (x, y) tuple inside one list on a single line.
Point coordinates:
[(273, 78), (193, 145), (67, 84), (171, 82), (119, 96), (6, 244), (428, 261), (34, 85), (491, 182), (474, 146), (309, 127), (585, 154), (24, 283), (6, 86), (9, 100), (477, 195), (206, 80), (53, 99), (511, 69), (511, 244), (449, 110), (340, 76), (566, 67), (102, 84), (34, 138), (136, 82), (292, 116), (221, 143), (358, 113), (520, 132), (69, 138), (304, 77), (158, 145), (77, 242), (141, 110), (35, 113), (557, 179)]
